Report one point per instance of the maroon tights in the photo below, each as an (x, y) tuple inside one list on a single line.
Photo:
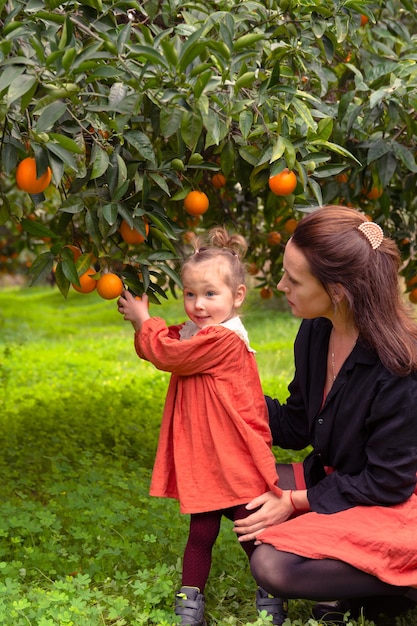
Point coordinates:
[(204, 529)]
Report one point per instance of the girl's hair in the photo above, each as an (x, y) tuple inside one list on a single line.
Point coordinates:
[(339, 253), (218, 245)]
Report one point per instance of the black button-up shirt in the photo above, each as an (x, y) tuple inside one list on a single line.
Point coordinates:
[(366, 429)]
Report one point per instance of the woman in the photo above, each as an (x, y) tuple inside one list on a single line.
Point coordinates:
[(344, 525)]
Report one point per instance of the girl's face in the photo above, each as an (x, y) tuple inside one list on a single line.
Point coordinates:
[(305, 294), (207, 298)]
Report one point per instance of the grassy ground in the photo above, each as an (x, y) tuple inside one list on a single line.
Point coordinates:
[(81, 542)]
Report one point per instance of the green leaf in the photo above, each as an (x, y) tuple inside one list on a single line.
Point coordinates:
[(160, 181), (19, 87), (110, 212), (146, 53), (41, 267), (49, 116), (37, 228), (405, 156), (93, 228), (141, 142), (245, 122), (191, 127), (304, 112), (65, 156), (73, 204), (61, 279), (67, 143), (325, 128), (10, 74), (99, 160), (335, 148)]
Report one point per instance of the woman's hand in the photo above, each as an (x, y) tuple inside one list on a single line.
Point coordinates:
[(271, 510), (133, 310)]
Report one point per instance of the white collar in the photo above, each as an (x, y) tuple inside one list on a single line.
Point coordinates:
[(189, 329)]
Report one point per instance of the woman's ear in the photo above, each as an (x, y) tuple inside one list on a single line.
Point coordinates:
[(337, 293), (240, 295)]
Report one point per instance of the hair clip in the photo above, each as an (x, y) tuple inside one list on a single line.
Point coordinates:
[(373, 232)]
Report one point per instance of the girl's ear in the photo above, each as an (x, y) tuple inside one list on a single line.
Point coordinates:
[(240, 295)]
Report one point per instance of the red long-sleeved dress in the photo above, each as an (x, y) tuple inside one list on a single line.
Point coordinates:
[(214, 447)]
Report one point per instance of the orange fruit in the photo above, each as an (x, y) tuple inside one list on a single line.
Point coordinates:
[(273, 238), (290, 225), (196, 202), (218, 180), (75, 251), (188, 236), (266, 293), (342, 178), (412, 281), (364, 20), (87, 282), (413, 295), (109, 286), (131, 235), (284, 183), (27, 180), (252, 269), (374, 193)]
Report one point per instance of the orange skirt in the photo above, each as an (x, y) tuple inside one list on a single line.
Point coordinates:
[(375, 539)]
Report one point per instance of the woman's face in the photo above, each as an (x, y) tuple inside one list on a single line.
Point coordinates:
[(305, 294)]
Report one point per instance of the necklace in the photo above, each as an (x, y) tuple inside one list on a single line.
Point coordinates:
[(333, 364), (334, 375)]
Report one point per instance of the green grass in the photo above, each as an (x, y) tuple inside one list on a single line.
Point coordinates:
[(81, 542)]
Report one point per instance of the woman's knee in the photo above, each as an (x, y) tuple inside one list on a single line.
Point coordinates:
[(268, 569)]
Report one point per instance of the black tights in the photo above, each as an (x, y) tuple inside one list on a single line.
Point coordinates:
[(204, 529), (291, 576)]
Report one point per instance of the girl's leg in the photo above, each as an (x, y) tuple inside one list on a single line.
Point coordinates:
[(204, 529), (293, 576), (240, 512)]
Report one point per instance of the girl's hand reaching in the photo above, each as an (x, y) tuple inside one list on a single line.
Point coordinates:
[(134, 310)]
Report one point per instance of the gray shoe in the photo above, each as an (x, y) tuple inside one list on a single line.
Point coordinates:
[(277, 607), (190, 604)]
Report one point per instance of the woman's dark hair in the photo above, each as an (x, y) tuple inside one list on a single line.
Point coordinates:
[(339, 253), (229, 249)]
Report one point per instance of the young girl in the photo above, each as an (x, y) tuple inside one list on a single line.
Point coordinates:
[(214, 453)]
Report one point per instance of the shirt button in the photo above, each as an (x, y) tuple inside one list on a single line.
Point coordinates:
[(320, 421)]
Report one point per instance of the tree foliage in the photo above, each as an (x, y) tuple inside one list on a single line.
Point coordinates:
[(133, 104)]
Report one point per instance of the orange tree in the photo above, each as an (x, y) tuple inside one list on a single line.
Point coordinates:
[(133, 105)]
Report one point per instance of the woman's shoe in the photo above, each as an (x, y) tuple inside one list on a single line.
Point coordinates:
[(331, 612), (277, 607), (190, 605)]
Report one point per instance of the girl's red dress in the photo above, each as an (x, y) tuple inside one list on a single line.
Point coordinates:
[(214, 447)]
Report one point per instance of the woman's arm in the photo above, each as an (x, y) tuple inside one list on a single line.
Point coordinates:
[(271, 510)]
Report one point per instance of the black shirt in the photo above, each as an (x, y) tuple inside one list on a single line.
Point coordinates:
[(366, 430)]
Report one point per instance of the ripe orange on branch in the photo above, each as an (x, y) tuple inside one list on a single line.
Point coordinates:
[(218, 180), (109, 286), (76, 251), (375, 192), (283, 183), (196, 202), (413, 295), (274, 238), (131, 235), (27, 180), (290, 225), (266, 293), (87, 282)]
